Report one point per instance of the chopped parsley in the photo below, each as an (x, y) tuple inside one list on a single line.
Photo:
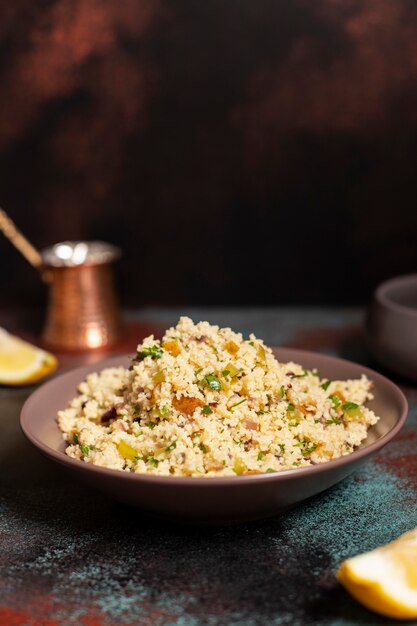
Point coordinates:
[(207, 410), (152, 461), (290, 407), (335, 399), (325, 385), (252, 343), (282, 446), (151, 425), (213, 382), (262, 412), (348, 406), (260, 456), (136, 410), (155, 352), (296, 464), (203, 448), (196, 373), (270, 470), (225, 372), (171, 447), (307, 447), (292, 424), (84, 449), (282, 391), (75, 439), (237, 403), (333, 421)]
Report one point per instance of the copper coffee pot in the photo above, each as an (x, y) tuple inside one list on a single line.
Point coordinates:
[(83, 311)]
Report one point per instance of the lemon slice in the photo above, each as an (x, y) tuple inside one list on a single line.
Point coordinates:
[(21, 363), (385, 580)]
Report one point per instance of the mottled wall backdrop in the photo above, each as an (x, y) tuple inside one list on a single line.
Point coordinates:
[(239, 151)]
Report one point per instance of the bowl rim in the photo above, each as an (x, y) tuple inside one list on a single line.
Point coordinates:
[(212, 481), (382, 294)]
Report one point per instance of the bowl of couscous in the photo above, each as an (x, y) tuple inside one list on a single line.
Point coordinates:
[(208, 426)]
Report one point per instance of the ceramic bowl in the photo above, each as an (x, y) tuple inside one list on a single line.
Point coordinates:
[(392, 325), (214, 500)]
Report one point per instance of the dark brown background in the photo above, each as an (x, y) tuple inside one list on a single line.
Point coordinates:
[(240, 152)]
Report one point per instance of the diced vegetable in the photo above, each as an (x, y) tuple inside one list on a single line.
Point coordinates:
[(126, 451), (239, 466), (260, 456), (203, 448), (231, 347), (207, 410), (85, 449), (232, 369), (159, 377), (172, 347), (325, 385), (171, 446), (282, 391), (187, 405)]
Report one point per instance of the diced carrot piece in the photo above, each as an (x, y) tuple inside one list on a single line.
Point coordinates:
[(231, 347), (172, 347), (187, 405)]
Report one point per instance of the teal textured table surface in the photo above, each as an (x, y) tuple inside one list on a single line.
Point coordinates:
[(71, 556)]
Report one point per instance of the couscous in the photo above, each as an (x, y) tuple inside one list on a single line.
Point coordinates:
[(204, 401)]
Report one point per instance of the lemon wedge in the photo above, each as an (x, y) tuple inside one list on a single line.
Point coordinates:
[(385, 580), (21, 363)]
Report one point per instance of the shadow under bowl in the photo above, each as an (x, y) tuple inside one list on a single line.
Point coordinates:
[(392, 325), (214, 500)]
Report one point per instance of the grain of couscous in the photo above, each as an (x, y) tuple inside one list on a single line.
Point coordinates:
[(204, 401)]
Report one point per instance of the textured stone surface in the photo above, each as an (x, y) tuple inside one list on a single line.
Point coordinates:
[(71, 556)]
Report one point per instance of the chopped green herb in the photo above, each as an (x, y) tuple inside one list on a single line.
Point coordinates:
[(309, 449), (252, 343), (84, 449), (260, 456), (75, 439), (262, 412), (171, 447), (348, 406), (152, 461), (155, 352), (282, 446), (207, 410), (203, 448), (226, 372), (164, 410), (151, 425), (196, 373), (335, 399), (270, 470), (290, 407), (325, 385), (292, 424), (296, 464), (333, 421), (316, 421), (136, 410), (282, 391), (237, 403), (214, 349), (213, 382)]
